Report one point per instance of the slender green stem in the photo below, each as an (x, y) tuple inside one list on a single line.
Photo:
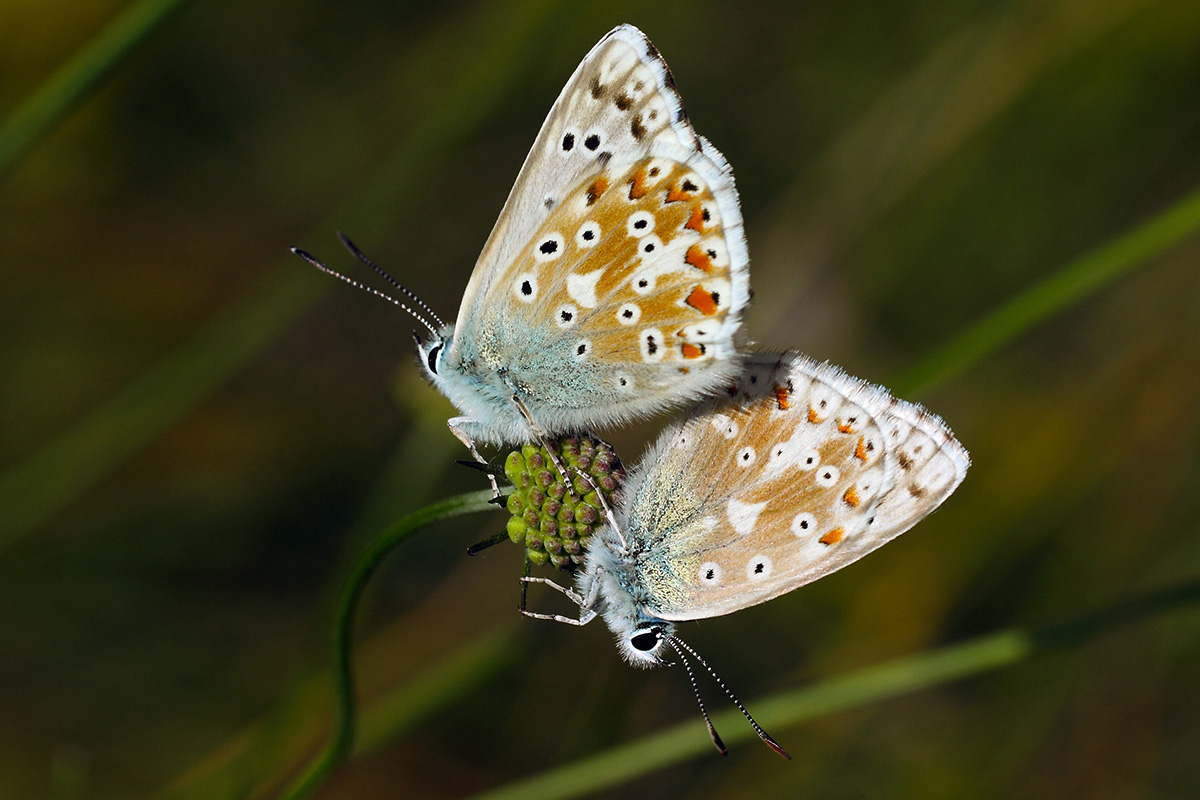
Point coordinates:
[(1070, 284), (872, 684), (77, 77), (341, 741)]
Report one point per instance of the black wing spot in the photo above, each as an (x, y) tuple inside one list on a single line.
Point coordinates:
[(592, 142), (568, 142), (588, 235), (641, 223), (566, 316), (759, 567), (623, 101), (688, 186), (643, 283), (627, 313), (581, 349), (549, 246), (526, 288), (597, 88), (649, 248), (653, 172), (637, 128)]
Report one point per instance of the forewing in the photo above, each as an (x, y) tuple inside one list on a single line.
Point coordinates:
[(620, 99), (616, 278), (799, 472)]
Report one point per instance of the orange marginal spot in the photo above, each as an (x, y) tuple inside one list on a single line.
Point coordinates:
[(703, 301), (684, 370), (698, 258), (831, 538), (690, 350), (844, 427), (637, 187), (781, 397), (860, 452), (598, 187), (696, 221), (812, 415), (675, 194), (851, 497)]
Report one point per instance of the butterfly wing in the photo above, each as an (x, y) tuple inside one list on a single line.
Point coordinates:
[(801, 471), (615, 279)]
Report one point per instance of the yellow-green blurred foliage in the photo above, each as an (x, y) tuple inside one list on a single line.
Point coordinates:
[(167, 567)]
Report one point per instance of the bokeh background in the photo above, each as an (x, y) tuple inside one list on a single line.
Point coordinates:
[(198, 433)]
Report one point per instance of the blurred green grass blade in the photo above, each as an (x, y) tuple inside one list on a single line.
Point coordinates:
[(341, 742), (75, 79), (872, 684), (73, 462), (1061, 290), (264, 754), (62, 470)]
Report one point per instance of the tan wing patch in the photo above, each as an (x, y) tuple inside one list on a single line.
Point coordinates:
[(639, 252), (805, 470)]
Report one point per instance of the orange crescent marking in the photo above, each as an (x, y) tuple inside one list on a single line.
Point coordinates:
[(696, 221), (698, 258), (860, 452), (691, 350), (844, 427), (675, 194), (702, 301), (831, 538), (598, 187), (781, 397), (851, 497), (637, 187), (812, 415)]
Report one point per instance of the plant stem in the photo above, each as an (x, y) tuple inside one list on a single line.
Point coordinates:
[(868, 685), (341, 742)]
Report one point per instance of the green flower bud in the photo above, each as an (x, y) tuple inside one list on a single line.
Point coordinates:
[(552, 516)]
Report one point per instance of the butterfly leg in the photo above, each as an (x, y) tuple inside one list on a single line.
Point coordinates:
[(570, 593), (546, 443), (608, 512), (587, 611), (458, 426)]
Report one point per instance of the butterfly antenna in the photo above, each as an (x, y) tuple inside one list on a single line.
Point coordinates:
[(358, 285), (353, 248), (712, 732), (767, 740)]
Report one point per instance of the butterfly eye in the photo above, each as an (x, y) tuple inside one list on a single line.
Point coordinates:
[(645, 641), (433, 357)]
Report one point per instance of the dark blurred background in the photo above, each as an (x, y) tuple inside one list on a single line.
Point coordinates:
[(198, 433)]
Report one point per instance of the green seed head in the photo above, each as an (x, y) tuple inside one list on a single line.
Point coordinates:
[(552, 517)]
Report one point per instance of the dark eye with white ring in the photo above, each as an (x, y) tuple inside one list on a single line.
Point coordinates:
[(645, 641), (433, 355)]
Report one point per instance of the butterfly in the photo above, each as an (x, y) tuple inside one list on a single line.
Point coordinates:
[(797, 471), (614, 281)]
